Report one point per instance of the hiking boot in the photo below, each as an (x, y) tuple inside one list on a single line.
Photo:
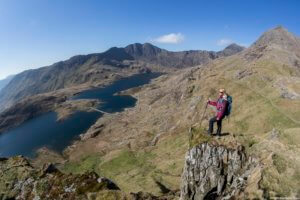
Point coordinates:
[(208, 133)]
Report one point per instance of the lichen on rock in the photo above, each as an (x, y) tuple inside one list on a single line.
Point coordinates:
[(215, 172), (19, 180)]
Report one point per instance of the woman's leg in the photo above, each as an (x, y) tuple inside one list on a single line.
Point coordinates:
[(219, 123), (211, 125)]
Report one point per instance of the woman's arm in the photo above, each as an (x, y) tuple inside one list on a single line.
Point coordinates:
[(213, 103)]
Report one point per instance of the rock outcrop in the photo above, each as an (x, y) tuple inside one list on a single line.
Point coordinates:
[(19, 180), (215, 172)]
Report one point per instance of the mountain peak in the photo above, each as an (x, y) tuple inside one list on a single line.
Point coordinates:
[(231, 49), (278, 31), (139, 45), (235, 46), (146, 49), (279, 37)]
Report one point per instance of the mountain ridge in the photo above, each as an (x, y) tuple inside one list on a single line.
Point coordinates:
[(91, 68), (5, 81)]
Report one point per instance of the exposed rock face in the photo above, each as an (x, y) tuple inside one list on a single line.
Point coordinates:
[(215, 172), (19, 180)]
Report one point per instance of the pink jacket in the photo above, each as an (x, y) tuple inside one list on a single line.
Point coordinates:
[(220, 104)]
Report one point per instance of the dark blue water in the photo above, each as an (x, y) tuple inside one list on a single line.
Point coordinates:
[(44, 130)]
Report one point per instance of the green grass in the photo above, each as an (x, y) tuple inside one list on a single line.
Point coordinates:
[(86, 164), (274, 185), (242, 126), (291, 137), (126, 161), (198, 136), (280, 163), (131, 170), (278, 120), (280, 179)]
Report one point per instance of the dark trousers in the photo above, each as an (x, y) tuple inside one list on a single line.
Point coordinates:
[(211, 125)]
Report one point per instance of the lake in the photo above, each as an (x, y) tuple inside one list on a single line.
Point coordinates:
[(46, 131)]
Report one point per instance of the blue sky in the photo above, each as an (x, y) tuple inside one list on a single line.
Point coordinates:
[(35, 33)]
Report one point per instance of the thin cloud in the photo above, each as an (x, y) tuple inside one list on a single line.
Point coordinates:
[(224, 42), (172, 38)]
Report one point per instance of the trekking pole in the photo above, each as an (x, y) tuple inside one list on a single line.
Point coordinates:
[(190, 137), (203, 114)]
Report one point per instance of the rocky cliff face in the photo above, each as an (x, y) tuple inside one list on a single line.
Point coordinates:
[(215, 172)]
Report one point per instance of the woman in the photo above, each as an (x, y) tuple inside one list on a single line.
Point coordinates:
[(221, 105)]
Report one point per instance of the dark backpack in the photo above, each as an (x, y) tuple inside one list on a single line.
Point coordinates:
[(229, 106)]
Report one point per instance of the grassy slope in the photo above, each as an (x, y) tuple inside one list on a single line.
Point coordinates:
[(139, 170), (258, 109)]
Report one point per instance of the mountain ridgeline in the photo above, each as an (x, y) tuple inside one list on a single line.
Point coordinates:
[(181, 59), (93, 68), (5, 81)]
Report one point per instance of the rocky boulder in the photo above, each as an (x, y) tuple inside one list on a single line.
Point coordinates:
[(19, 180), (215, 172)]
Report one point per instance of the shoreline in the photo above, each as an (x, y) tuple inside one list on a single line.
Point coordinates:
[(69, 107)]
